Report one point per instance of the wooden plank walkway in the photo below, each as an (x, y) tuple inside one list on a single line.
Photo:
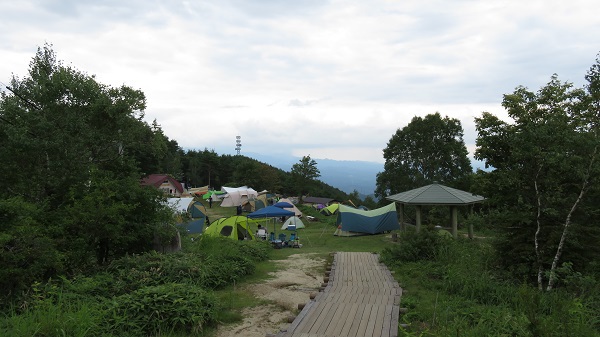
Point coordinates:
[(361, 299)]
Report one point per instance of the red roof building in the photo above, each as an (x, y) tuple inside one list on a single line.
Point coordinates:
[(164, 183)]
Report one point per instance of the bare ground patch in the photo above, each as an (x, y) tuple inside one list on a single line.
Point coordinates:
[(291, 285)]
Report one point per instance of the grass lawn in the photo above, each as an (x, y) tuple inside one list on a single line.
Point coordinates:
[(317, 237)]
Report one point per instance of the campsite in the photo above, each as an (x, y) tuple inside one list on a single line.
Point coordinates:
[(268, 297), (255, 289)]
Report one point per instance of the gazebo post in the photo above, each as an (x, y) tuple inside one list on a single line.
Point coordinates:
[(471, 223), (418, 218), (454, 221), (402, 227)]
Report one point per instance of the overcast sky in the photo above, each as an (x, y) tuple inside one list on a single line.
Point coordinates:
[(329, 79)]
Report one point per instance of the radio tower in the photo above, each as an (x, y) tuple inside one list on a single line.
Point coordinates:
[(238, 144)]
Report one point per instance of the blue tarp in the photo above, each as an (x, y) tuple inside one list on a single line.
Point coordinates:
[(270, 212), (371, 222)]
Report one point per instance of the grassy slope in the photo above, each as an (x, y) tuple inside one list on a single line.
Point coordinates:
[(455, 295)]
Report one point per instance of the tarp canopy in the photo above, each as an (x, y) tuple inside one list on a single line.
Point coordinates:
[(379, 220), (236, 196), (270, 212), (235, 227), (293, 223)]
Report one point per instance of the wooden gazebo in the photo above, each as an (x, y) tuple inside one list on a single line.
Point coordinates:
[(436, 195)]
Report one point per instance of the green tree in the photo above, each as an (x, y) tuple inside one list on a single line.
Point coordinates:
[(71, 150), (270, 178), (248, 173), (304, 173), (426, 150), (543, 165), (354, 197)]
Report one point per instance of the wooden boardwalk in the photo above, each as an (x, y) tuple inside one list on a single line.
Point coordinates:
[(361, 299)]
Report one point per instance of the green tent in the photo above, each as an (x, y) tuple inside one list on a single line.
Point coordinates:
[(330, 210), (235, 227), (209, 194)]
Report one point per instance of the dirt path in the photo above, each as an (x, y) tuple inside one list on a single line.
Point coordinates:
[(298, 277)]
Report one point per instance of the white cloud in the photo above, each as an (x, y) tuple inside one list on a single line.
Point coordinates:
[(335, 79)]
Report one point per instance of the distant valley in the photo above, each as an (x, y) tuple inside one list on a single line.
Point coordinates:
[(344, 175)]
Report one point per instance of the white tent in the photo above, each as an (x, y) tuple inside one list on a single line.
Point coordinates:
[(236, 196), (293, 223), (179, 204)]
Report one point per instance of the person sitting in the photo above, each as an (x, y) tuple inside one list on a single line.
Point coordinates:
[(261, 232)]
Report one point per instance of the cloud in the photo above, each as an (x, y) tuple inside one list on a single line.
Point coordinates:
[(333, 78), (298, 103)]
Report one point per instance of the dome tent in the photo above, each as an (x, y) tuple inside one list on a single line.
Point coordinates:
[(293, 223), (235, 227)]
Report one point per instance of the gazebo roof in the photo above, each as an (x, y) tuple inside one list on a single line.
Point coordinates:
[(436, 194)]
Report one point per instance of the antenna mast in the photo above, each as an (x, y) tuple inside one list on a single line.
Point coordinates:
[(238, 144)]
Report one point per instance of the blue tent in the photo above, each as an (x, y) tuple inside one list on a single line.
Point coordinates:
[(352, 221)]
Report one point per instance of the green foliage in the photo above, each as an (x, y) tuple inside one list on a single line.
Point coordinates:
[(425, 245), (460, 292), (57, 318), (70, 148), (150, 269), (26, 253), (143, 294), (303, 174), (161, 309), (428, 149), (545, 206)]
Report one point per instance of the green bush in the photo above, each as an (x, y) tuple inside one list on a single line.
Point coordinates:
[(161, 309), (27, 253), (211, 263), (53, 314), (255, 250), (413, 246)]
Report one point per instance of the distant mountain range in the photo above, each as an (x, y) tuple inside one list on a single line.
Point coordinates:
[(344, 175)]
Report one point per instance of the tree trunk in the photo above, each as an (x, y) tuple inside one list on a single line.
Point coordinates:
[(563, 238), (538, 257)]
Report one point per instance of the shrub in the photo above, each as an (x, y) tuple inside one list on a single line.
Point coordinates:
[(425, 245), (53, 314), (159, 309), (211, 263)]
